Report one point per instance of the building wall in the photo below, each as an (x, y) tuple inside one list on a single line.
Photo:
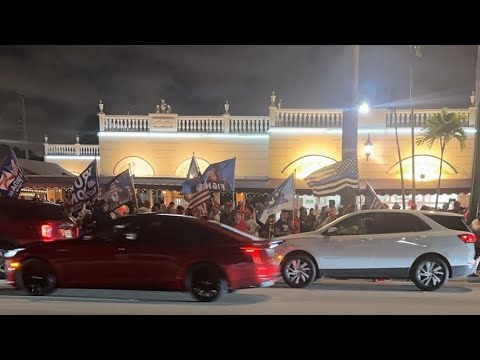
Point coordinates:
[(166, 154), (158, 141)]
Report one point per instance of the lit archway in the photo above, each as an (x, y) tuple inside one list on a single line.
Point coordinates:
[(182, 168), (307, 164), (139, 167), (427, 168)]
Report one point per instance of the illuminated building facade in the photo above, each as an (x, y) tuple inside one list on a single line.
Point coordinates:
[(158, 148)]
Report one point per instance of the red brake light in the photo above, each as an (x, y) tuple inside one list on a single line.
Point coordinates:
[(254, 253), (47, 232), (467, 238)]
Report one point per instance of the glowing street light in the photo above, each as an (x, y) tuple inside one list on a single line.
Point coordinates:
[(368, 147), (364, 108)]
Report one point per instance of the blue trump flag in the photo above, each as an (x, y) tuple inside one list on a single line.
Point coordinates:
[(85, 187), (12, 176), (283, 198), (219, 177), (119, 191)]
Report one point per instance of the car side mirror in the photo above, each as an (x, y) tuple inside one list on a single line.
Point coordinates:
[(331, 231)]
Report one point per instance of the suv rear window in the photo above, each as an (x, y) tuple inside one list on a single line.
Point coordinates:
[(27, 210), (450, 222)]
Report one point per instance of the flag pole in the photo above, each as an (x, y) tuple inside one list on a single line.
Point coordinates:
[(133, 185), (294, 191)]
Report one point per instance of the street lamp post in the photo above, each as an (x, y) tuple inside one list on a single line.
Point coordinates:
[(24, 124), (412, 123), (350, 115)]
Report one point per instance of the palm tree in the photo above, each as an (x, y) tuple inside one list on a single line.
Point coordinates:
[(444, 127)]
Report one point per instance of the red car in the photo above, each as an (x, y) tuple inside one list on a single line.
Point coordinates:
[(23, 222), (149, 252)]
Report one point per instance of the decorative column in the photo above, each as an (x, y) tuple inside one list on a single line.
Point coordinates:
[(45, 145), (101, 116), (272, 109), (77, 145), (226, 117)]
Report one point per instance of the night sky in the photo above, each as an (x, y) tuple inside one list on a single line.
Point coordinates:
[(62, 84)]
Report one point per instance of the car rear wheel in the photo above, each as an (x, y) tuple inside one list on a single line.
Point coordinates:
[(430, 273), (207, 283), (299, 271), (36, 277)]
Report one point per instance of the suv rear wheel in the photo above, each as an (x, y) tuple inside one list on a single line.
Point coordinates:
[(429, 273)]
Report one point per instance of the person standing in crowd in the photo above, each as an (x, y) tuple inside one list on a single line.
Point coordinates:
[(171, 208), (317, 211), (303, 219), (310, 221), (476, 230), (143, 209), (282, 226), (238, 222), (252, 225), (294, 222), (226, 215)]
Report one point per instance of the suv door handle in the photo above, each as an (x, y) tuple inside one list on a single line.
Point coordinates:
[(121, 249), (367, 239)]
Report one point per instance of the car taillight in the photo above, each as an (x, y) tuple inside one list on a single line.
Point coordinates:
[(47, 232), (467, 238), (254, 252)]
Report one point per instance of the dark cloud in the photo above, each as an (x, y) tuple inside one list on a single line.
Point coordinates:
[(63, 84)]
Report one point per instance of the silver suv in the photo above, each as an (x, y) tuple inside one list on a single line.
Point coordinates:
[(426, 247)]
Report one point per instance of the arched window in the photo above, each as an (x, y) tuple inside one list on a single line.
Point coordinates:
[(182, 168), (427, 168), (138, 166), (307, 164)]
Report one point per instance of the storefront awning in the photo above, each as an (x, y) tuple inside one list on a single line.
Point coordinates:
[(381, 186)]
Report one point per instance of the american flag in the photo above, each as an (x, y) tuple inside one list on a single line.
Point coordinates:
[(371, 199), (200, 199), (333, 178)]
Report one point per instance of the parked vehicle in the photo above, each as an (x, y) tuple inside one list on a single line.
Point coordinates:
[(23, 222), (149, 252), (426, 247)]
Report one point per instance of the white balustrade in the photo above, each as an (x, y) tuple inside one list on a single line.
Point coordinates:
[(201, 124), (71, 150), (249, 124), (126, 123), (420, 116), (325, 118)]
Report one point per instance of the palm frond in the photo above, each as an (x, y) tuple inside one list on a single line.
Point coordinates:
[(443, 127)]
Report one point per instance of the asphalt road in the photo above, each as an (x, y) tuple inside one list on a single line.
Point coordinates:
[(323, 297)]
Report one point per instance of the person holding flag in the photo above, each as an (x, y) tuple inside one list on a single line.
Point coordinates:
[(12, 176), (85, 188)]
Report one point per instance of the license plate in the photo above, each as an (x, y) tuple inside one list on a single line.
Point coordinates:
[(68, 234)]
